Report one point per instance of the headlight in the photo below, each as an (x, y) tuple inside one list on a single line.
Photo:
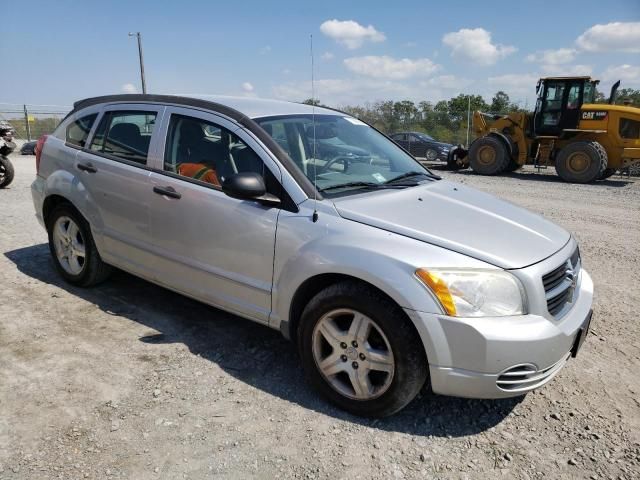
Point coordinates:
[(475, 293)]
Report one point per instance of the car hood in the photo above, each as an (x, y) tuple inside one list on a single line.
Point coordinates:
[(461, 219)]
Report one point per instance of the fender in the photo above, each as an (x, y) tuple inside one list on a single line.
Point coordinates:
[(71, 187), (335, 245)]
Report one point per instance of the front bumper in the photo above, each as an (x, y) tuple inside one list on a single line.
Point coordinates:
[(468, 356)]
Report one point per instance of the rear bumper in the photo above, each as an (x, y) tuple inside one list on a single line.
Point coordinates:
[(37, 194), (467, 357)]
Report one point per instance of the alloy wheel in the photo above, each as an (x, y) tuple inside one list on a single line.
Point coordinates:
[(69, 245), (353, 354)]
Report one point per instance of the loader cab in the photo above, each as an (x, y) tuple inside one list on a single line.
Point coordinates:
[(559, 102)]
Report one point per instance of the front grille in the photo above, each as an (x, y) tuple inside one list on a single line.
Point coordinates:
[(522, 378), (559, 284)]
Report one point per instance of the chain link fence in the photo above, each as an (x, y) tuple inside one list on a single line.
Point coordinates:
[(31, 121)]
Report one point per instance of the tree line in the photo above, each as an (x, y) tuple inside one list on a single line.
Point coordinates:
[(446, 120)]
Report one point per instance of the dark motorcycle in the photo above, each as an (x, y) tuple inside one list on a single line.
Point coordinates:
[(7, 146)]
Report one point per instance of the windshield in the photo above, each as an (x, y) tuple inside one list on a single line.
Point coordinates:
[(347, 152)]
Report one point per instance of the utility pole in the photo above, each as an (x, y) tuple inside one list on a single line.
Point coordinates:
[(26, 123), (139, 37), (468, 118)]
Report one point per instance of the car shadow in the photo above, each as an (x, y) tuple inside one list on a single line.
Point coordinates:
[(615, 180), (253, 353)]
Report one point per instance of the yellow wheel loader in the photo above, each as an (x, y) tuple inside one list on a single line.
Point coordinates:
[(583, 140)]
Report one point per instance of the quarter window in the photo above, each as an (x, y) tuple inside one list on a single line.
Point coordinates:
[(78, 131), (629, 129), (126, 135), (207, 152)]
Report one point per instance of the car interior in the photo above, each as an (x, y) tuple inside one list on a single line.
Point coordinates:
[(206, 152)]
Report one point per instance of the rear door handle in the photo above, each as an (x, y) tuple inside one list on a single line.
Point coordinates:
[(167, 191), (87, 167)]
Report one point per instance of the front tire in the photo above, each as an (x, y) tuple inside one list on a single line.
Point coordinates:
[(6, 172), (581, 162), (72, 248), (488, 156), (607, 173), (361, 351)]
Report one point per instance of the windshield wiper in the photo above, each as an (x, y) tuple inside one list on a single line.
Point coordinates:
[(370, 185), (407, 175)]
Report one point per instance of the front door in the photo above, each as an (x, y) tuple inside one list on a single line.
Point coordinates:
[(210, 246)]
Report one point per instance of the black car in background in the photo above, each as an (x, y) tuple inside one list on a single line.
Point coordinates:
[(29, 148), (422, 145)]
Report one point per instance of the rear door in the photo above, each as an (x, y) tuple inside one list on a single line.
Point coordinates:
[(115, 171), (210, 246)]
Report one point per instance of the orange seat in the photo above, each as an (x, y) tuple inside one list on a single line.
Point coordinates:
[(199, 171)]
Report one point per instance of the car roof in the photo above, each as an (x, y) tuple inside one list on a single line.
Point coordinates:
[(251, 107), (254, 107)]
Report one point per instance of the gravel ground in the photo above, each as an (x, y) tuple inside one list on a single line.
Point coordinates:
[(128, 380)]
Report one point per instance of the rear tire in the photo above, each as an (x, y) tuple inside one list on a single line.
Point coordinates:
[(488, 156), (581, 162), (388, 353), (6, 172), (72, 248)]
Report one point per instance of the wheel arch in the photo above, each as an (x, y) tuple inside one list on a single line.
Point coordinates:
[(314, 285), (505, 140)]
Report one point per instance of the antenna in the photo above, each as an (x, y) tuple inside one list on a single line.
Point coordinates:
[(314, 217)]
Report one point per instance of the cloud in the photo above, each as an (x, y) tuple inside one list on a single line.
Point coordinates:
[(388, 67), (264, 50), (129, 88), (553, 57), (616, 36), (350, 33), (474, 45), (447, 82), (326, 56), (345, 91), (247, 87), (566, 70), (629, 75), (516, 85)]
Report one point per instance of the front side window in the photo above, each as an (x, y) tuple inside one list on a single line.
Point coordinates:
[(125, 134), (629, 129), (589, 92), (340, 150), (78, 131), (573, 99), (207, 152)]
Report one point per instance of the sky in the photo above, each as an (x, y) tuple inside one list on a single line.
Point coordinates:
[(364, 51)]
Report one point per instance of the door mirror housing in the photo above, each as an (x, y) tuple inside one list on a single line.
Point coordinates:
[(248, 186)]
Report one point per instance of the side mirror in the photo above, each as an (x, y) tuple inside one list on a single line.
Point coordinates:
[(248, 186)]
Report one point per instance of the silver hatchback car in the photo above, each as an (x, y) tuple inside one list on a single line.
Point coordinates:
[(312, 222)]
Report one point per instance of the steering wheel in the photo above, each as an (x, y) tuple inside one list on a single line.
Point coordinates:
[(340, 158)]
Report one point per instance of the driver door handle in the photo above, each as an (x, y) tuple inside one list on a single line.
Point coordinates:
[(168, 192), (87, 167)]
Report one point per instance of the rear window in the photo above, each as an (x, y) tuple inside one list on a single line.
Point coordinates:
[(78, 131)]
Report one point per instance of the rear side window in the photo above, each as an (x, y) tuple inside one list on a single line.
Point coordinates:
[(125, 134), (78, 131), (629, 128)]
